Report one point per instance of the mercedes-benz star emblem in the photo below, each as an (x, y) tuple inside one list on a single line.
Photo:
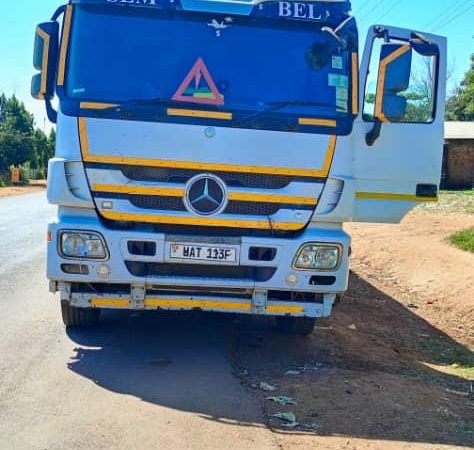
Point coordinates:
[(206, 195)]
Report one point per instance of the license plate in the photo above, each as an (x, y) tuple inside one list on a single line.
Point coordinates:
[(204, 253)]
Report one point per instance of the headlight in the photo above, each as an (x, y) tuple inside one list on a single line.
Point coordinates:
[(318, 257), (85, 245)]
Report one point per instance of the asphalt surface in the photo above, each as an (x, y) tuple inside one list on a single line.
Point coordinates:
[(138, 381)]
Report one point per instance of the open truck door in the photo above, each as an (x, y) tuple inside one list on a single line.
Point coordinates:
[(397, 162)]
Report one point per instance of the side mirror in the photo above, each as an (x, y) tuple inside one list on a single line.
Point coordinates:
[(393, 78), (45, 60)]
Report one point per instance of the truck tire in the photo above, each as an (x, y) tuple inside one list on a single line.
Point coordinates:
[(79, 317), (303, 326)]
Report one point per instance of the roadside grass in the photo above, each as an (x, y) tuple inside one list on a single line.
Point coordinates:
[(449, 357), (452, 202), (3, 182), (465, 427), (463, 240)]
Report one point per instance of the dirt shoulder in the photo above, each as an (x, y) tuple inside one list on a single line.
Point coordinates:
[(415, 262), (11, 191), (392, 368)]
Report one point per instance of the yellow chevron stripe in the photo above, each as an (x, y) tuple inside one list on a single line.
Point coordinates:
[(272, 198), (355, 83), (95, 105), (284, 309), (317, 122), (64, 45), (381, 80), (197, 113), (44, 63), (109, 303), (202, 221), (388, 196), (186, 303), (176, 192), (189, 304), (131, 189)]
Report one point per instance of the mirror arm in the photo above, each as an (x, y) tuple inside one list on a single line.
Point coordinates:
[(334, 35), (374, 133), (57, 13), (381, 32), (50, 111), (420, 37)]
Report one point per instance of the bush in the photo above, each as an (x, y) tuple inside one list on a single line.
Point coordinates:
[(464, 240), (40, 174), (24, 177)]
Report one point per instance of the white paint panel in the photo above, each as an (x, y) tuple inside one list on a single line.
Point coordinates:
[(189, 143)]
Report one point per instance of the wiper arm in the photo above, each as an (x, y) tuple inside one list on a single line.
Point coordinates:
[(148, 101), (284, 103), (141, 102), (276, 106)]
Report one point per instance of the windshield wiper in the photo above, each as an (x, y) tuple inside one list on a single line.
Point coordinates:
[(141, 102), (276, 106)]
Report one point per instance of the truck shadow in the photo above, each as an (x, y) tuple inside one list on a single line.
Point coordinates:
[(373, 370)]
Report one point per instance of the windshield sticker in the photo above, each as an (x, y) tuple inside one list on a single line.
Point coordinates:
[(219, 26), (336, 80), (341, 105), (342, 99), (337, 62), (199, 87)]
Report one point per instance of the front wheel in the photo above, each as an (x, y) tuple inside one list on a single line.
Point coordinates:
[(296, 325), (79, 317)]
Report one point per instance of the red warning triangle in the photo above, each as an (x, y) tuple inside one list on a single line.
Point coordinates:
[(196, 90)]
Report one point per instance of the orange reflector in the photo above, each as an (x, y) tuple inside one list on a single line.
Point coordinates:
[(50, 236)]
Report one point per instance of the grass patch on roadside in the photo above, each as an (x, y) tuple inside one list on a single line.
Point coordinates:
[(3, 182), (463, 240), (466, 427), (452, 202), (449, 356)]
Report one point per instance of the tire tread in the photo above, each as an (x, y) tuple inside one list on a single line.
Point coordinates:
[(79, 317), (303, 326)]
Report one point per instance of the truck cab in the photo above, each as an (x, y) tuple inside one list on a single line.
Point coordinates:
[(209, 152)]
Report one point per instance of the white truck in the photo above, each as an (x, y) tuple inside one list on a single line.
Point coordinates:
[(209, 151)]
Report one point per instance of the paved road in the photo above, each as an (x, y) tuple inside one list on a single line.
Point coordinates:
[(140, 381)]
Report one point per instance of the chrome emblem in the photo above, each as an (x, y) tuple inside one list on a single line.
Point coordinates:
[(205, 195), (210, 132)]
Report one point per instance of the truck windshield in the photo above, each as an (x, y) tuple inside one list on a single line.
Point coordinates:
[(271, 69)]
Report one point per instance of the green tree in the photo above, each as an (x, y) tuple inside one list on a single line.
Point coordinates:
[(14, 115), (16, 133), (39, 159), (20, 142), (461, 105), (51, 144), (44, 149)]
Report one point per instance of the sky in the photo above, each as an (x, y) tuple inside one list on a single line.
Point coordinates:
[(451, 18)]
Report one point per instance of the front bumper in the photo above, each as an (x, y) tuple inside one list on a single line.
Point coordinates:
[(155, 282)]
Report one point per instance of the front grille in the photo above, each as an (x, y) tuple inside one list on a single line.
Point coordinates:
[(180, 177), (158, 203), (258, 181), (234, 207), (142, 269), (254, 209)]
